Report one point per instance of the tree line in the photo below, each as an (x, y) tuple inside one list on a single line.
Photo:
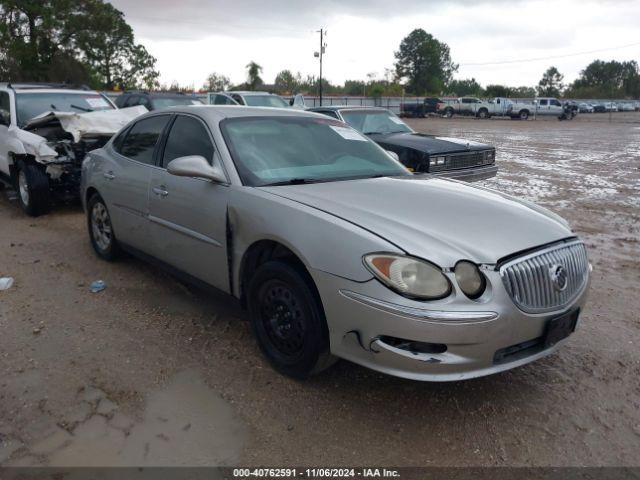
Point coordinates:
[(89, 42)]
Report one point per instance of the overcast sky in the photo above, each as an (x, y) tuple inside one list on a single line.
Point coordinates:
[(191, 38)]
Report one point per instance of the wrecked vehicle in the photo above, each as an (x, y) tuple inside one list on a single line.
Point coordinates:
[(305, 221), (45, 133)]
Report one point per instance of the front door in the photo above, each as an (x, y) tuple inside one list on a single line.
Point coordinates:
[(187, 216)]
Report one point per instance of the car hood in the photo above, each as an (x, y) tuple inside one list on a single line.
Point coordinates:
[(429, 143), (87, 124), (437, 219)]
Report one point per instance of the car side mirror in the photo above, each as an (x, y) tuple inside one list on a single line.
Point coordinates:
[(393, 155), (195, 166)]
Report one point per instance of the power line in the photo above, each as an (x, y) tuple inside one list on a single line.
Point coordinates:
[(504, 62)]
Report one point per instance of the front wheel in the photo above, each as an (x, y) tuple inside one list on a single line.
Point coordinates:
[(101, 232), (524, 115), (483, 114), (448, 113), (32, 184), (288, 321)]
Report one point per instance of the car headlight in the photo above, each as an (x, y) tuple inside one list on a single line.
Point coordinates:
[(409, 276), (470, 279)]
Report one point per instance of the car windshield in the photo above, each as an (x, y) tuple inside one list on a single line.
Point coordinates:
[(265, 101), (294, 149), (165, 102), (376, 121), (29, 105)]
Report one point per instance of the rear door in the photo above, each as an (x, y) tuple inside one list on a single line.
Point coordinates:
[(187, 216), (125, 187)]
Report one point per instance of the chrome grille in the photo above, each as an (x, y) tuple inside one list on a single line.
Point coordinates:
[(529, 280), (455, 161)]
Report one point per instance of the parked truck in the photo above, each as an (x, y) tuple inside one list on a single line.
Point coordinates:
[(468, 106)]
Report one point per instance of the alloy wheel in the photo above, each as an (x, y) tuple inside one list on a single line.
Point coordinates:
[(101, 226)]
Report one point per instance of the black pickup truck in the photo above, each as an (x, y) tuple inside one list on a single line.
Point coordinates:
[(420, 109)]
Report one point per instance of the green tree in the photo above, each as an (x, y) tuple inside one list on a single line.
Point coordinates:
[(106, 43), (497, 91), (73, 40), (523, 92), (253, 75), (287, 82), (465, 87), (424, 62), (216, 82), (607, 80), (550, 84)]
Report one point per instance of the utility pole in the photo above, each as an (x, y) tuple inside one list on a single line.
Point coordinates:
[(319, 54)]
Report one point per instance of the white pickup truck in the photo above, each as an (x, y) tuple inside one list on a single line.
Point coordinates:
[(469, 106), (543, 106)]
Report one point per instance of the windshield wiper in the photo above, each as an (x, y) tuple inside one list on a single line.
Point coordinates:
[(81, 108), (292, 181)]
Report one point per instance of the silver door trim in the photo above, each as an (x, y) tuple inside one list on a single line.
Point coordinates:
[(185, 231)]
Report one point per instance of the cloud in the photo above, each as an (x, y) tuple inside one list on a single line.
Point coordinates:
[(192, 38)]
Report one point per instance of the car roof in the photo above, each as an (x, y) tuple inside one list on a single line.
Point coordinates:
[(247, 93), (346, 107), (159, 94), (39, 89), (216, 113)]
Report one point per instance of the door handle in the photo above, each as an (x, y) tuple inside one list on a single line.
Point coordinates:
[(109, 175), (160, 191)]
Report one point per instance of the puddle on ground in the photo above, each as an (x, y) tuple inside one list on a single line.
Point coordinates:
[(185, 423)]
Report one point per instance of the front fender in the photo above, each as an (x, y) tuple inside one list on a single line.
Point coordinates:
[(322, 241)]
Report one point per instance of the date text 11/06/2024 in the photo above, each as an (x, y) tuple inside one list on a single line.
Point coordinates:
[(315, 473)]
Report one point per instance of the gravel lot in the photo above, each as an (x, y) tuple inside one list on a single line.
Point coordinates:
[(152, 372)]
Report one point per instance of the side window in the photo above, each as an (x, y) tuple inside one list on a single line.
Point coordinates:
[(543, 102), (222, 100), (132, 101), (142, 138), (555, 103), (5, 105), (188, 136), (144, 101), (238, 99)]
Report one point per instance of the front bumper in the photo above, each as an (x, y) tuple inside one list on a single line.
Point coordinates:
[(470, 174), (361, 316)]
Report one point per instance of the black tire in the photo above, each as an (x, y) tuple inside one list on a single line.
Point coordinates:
[(288, 321), (32, 186), (103, 238), (483, 113), (523, 115), (448, 113)]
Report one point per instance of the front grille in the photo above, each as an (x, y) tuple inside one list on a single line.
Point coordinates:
[(534, 281), (455, 161)]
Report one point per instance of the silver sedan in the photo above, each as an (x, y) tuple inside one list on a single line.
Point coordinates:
[(337, 250)]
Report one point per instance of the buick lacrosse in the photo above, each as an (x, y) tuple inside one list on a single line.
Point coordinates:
[(335, 249)]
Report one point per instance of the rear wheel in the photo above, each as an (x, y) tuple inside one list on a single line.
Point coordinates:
[(101, 232), (483, 113), (32, 184), (524, 115), (448, 113), (288, 321)]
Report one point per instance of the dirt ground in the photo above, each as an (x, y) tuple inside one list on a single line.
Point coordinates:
[(151, 372)]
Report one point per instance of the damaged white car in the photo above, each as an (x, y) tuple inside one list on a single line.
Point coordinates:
[(45, 132)]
